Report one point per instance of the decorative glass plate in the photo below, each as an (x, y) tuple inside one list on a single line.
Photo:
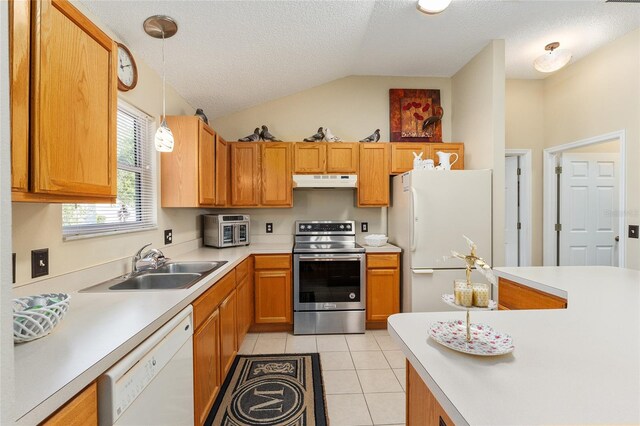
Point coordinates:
[(449, 300), (485, 341)]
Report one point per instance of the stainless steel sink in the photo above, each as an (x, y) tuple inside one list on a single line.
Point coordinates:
[(187, 267), (157, 282)]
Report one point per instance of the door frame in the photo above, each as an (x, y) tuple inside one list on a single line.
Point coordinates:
[(550, 193), (526, 205)]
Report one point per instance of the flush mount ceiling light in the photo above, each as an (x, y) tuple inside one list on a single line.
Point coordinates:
[(432, 7), (553, 60), (160, 26)]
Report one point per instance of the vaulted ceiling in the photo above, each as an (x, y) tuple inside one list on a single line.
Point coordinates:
[(230, 55)]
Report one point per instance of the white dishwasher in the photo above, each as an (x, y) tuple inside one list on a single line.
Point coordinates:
[(153, 384)]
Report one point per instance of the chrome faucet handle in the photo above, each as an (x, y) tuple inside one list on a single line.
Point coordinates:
[(155, 255), (136, 257), (139, 252)]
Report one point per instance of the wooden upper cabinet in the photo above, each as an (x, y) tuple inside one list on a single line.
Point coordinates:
[(402, 155), (373, 179), (310, 157), (206, 162), (222, 172), (244, 173), (451, 147), (342, 157), (82, 410), (277, 185), (187, 173)]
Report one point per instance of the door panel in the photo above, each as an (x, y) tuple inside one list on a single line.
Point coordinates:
[(511, 212), (274, 304), (342, 157), (206, 365), (206, 169), (228, 330), (310, 157), (277, 185), (244, 174), (222, 172)]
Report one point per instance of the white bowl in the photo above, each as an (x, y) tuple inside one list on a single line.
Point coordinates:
[(376, 240)]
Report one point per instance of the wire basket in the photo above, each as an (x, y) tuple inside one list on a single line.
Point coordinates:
[(376, 240), (37, 316)]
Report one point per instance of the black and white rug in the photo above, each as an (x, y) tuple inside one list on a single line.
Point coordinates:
[(271, 390)]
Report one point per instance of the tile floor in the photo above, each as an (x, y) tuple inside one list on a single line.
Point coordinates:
[(363, 374)]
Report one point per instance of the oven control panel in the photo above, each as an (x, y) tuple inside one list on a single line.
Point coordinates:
[(345, 227)]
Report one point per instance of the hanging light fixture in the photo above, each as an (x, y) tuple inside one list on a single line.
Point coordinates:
[(432, 7), (554, 60), (160, 26)]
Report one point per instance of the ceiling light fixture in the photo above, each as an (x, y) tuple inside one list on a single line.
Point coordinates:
[(160, 26), (554, 60), (432, 7)]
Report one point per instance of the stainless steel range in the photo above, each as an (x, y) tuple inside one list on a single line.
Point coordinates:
[(328, 278)]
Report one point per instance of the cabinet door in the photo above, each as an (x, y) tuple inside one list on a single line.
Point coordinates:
[(222, 172), (244, 182), (342, 157), (273, 297), (373, 179), (228, 330), (277, 187), (245, 307), (423, 409), (383, 293), (82, 410), (450, 147), (19, 50), (310, 157), (402, 155), (73, 110), (206, 366), (206, 165), (517, 296)]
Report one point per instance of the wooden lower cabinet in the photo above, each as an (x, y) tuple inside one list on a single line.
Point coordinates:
[(228, 336), (245, 306), (272, 286), (383, 288), (206, 366), (422, 407), (512, 295), (82, 410)]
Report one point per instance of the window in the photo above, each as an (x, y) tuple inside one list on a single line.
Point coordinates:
[(134, 208)]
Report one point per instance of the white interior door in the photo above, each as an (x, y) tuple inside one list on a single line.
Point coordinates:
[(511, 240), (588, 203)]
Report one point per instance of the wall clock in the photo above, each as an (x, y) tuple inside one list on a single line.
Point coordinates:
[(127, 70)]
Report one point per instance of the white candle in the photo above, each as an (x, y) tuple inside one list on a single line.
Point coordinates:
[(466, 296), (481, 295)]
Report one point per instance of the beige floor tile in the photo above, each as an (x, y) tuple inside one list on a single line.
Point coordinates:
[(369, 360), (340, 382), (387, 343), (380, 332), (301, 344), (336, 361), (359, 342), (401, 374), (270, 346), (253, 336), (348, 410), (375, 381), (386, 408), (396, 359), (246, 348), (335, 343), (275, 335)]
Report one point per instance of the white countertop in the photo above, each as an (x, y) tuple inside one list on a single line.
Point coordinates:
[(579, 365), (99, 329), (387, 248)]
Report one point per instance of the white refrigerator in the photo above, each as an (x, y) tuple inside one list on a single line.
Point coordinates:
[(430, 212)]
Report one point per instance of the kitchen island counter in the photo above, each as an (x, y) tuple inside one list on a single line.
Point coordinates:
[(579, 365)]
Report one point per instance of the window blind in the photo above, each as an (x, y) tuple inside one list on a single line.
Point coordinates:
[(135, 206)]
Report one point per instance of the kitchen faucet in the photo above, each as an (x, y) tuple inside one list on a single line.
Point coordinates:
[(149, 260)]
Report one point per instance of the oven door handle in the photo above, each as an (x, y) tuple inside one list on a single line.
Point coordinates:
[(329, 259)]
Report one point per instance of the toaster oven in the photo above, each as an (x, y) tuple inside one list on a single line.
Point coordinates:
[(226, 230)]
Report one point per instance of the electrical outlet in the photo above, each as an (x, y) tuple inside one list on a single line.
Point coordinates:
[(269, 228), (13, 268), (39, 262), (168, 236), (364, 227), (633, 231)]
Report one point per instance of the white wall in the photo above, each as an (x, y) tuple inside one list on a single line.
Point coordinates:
[(40, 225), (478, 99)]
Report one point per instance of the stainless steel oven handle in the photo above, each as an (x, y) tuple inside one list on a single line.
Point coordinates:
[(329, 259)]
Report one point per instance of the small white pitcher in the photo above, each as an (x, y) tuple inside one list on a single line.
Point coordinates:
[(444, 158)]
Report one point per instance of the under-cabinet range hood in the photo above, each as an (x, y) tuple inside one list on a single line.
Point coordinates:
[(325, 181)]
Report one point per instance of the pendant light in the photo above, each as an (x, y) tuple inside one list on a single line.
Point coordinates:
[(554, 60), (160, 26), (432, 7)]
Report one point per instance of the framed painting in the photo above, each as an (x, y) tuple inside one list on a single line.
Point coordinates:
[(415, 115)]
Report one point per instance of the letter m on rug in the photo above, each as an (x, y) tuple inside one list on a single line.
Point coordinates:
[(272, 403)]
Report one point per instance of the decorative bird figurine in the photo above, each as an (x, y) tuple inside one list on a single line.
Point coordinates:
[(374, 137), (329, 137), (430, 123), (317, 137), (266, 136), (200, 114), (255, 136)]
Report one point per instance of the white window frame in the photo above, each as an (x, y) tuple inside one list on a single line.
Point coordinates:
[(148, 188)]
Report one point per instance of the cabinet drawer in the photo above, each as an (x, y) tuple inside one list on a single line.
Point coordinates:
[(517, 296), (242, 270), (273, 261), (204, 305), (375, 261)]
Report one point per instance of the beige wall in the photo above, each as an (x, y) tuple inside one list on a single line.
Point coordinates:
[(352, 107), (610, 147), (478, 99), (40, 225)]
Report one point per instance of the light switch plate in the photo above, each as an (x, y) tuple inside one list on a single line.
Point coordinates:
[(633, 231), (364, 227), (39, 262), (168, 236)]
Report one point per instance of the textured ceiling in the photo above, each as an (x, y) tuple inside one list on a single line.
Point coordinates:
[(230, 55)]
